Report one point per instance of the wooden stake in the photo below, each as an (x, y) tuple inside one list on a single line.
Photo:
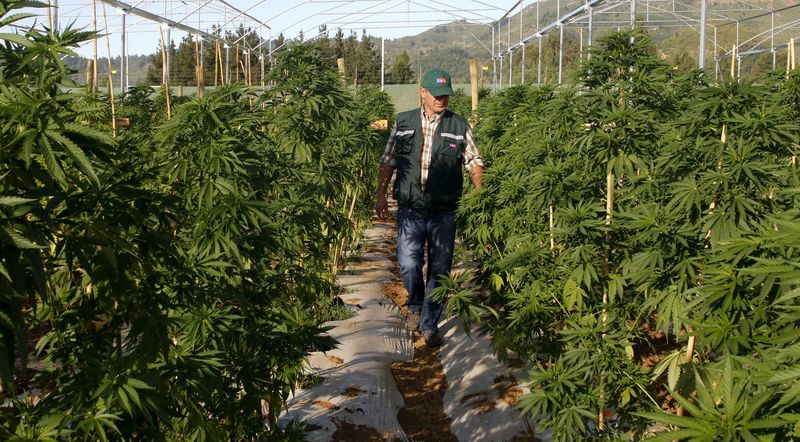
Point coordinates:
[(792, 52), (216, 62), (110, 76), (733, 62), (165, 78), (89, 80), (237, 62), (49, 15), (249, 69), (198, 69), (340, 64), (473, 78), (552, 229), (609, 218)]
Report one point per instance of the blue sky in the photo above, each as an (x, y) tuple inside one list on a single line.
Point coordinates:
[(388, 18)]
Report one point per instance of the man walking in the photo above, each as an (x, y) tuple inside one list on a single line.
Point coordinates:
[(428, 147)]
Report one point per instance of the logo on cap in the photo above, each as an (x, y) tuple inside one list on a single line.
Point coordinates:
[(441, 80)]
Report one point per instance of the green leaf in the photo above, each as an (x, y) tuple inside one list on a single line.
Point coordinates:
[(14, 238), (13, 201), (16, 38), (77, 154)]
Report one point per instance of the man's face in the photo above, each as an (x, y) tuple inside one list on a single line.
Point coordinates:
[(434, 104)]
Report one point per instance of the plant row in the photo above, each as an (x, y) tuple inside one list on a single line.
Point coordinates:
[(637, 238), (166, 281)]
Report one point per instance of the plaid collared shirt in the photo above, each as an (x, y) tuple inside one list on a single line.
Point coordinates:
[(472, 157)]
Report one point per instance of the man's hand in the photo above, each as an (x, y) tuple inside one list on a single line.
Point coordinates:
[(382, 207)]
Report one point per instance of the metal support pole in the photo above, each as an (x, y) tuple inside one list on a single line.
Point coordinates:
[(168, 44), (383, 60), (772, 40), (633, 14), (123, 59), (591, 28), (580, 47), (500, 77), (560, 52), (716, 61), (510, 68), (55, 15), (494, 64), (522, 80), (227, 64), (703, 7), (539, 68)]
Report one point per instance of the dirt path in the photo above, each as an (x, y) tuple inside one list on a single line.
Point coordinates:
[(383, 384)]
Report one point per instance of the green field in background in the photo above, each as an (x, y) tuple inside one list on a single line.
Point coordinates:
[(406, 96)]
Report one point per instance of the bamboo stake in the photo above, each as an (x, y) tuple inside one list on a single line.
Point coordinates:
[(609, 218), (733, 62), (237, 62), (216, 62), (198, 69), (110, 76), (165, 79), (793, 57), (221, 65), (552, 229), (49, 20), (89, 79), (249, 69)]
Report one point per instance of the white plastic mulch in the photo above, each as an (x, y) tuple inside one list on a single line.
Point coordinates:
[(358, 387)]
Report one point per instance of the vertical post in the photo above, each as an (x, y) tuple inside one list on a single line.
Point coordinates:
[(633, 14), (55, 15), (772, 40), (261, 58), (473, 79), (123, 65), (539, 67), (94, 46), (702, 61), (167, 50), (580, 47), (589, 37), (500, 85), (341, 66), (560, 52), (383, 60), (510, 68), (494, 65), (522, 80), (227, 64), (716, 60)]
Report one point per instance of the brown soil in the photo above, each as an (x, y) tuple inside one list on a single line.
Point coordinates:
[(352, 391), (649, 352), (348, 432), (335, 359), (326, 405), (421, 380), (422, 383)]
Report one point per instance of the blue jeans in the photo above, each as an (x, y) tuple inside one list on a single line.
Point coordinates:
[(415, 227)]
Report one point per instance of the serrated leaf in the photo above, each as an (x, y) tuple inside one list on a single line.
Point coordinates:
[(13, 201), (77, 154), (14, 238)]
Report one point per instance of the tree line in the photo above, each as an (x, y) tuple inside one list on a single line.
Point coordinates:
[(249, 60)]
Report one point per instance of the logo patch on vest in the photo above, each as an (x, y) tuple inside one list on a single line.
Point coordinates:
[(453, 145)]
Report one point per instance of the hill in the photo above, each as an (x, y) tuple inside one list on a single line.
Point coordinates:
[(449, 46)]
